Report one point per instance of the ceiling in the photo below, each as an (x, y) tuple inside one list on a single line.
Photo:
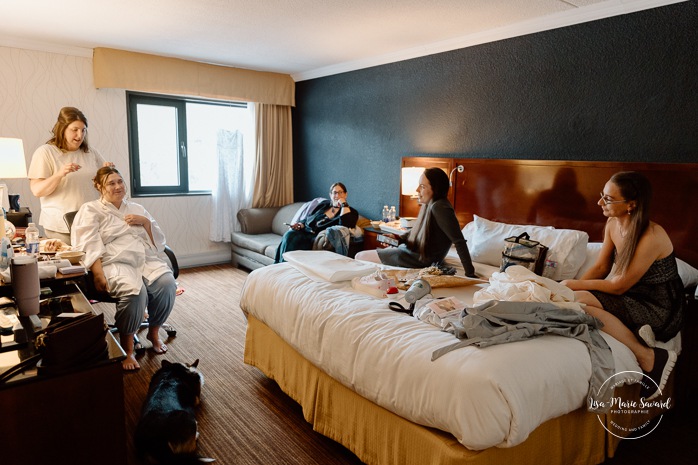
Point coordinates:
[(303, 38)]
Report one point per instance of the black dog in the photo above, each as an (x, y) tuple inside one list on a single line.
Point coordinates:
[(167, 431)]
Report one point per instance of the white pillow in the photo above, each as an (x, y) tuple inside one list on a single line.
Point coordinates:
[(593, 250), (566, 254), (468, 231), (689, 275)]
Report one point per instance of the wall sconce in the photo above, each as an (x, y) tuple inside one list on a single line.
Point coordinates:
[(12, 165), (410, 180), (460, 169)]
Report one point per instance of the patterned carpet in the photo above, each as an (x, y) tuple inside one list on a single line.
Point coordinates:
[(244, 417)]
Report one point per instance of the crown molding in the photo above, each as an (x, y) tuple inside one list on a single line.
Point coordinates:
[(563, 19), (49, 47)]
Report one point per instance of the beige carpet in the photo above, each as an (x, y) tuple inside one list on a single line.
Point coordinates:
[(244, 417)]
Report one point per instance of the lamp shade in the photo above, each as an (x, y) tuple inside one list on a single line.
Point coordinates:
[(12, 164), (410, 180)]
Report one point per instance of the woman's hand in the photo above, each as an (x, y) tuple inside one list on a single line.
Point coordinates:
[(137, 220), (101, 282), (67, 169), (571, 283), (297, 226)]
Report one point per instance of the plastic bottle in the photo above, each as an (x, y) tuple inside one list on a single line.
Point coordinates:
[(393, 213), (31, 241), (386, 214)]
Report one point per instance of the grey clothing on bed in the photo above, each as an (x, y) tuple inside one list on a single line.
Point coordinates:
[(497, 322), (444, 231)]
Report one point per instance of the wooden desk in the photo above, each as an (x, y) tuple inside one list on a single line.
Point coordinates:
[(77, 417)]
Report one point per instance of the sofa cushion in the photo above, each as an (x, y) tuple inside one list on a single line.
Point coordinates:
[(284, 215), (256, 242), (256, 220)]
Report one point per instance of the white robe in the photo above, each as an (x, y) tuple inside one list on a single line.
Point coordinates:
[(128, 256)]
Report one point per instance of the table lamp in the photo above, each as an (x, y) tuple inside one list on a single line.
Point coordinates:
[(12, 165), (410, 180)]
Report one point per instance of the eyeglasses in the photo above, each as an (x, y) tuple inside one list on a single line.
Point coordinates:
[(337, 192), (607, 200)]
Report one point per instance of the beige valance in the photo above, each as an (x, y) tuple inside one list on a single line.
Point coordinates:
[(152, 73)]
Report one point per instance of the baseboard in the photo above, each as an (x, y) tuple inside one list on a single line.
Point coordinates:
[(215, 257)]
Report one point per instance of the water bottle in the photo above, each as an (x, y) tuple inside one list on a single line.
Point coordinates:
[(386, 214), (31, 239), (393, 213)]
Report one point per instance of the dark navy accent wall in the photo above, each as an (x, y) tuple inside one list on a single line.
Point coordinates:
[(619, 89)]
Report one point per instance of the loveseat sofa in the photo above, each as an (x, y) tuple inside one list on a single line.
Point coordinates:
[(255, 244)]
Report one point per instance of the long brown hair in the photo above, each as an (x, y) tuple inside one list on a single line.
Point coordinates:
[(635, 187), (418, 237), (66, 117)]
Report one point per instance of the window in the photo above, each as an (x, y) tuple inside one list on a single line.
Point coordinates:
[(173, 142)]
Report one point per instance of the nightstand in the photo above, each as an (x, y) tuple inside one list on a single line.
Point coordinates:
[(378, 239)]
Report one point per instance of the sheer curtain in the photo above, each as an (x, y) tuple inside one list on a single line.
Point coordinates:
[(230, 194)]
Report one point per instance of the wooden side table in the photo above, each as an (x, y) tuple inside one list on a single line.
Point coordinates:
[(378, 239)]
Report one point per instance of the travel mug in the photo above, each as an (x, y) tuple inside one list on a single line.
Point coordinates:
[(24, 271)]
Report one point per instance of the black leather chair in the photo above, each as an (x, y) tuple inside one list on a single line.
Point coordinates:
[(94, 295)]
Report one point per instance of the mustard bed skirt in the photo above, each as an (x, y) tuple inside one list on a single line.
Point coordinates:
[(379, 437)]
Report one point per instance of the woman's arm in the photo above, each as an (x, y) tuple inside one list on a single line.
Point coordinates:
[(650, 247), (98, 277), (446, 220)]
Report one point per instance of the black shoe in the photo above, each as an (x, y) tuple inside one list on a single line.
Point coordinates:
[(664, 361)]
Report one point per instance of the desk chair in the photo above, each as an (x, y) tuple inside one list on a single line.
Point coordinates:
[(94, 295)]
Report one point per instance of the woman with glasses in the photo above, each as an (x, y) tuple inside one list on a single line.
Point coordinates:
[(333, 212), (435, 230), (61, 171), (634, 288)]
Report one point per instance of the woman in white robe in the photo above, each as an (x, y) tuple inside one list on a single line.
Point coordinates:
[(121, 241)]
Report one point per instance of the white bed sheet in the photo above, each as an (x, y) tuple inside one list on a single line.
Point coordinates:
[(494, 396)]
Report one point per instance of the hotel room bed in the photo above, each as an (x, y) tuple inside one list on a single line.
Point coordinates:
[(365, 378)]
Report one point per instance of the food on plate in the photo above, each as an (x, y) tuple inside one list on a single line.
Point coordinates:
[(53, 245)]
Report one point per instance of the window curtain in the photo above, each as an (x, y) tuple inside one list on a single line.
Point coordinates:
[(273, 172), (229, 194)]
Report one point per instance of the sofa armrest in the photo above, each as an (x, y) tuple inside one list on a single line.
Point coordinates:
[(256, 220)]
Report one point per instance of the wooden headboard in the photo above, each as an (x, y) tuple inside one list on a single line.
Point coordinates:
[(564, 194)]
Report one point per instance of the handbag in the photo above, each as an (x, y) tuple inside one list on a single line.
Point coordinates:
[(72, 343), (521, 250)]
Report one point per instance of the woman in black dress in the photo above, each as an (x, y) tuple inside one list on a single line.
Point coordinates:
[(436, 229), (643, 295), (333, 212)]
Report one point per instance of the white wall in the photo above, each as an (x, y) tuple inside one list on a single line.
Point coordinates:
[(35, 85)]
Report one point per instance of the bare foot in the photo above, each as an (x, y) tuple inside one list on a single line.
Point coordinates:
[(159, 347), (130, 363)]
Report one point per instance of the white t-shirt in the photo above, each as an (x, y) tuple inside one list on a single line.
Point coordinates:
[(74, 189)]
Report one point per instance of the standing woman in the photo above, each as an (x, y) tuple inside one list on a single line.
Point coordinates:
[(644, 293), (122, 241), (61, 171), (435, 230)]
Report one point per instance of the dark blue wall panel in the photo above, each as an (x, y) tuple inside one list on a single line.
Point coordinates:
[(618, 89)]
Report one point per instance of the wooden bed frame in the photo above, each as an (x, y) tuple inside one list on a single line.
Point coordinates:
[(564, 194), (560, 194)]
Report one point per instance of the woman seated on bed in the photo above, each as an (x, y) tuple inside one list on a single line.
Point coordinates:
[(333, 212), (121, 242), (645, 293), (435, 230)]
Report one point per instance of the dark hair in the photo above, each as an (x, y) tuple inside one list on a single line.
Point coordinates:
[(418, 237), (633, 187), (340, 185), (439, 182), (66, 117), (102, 174)]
